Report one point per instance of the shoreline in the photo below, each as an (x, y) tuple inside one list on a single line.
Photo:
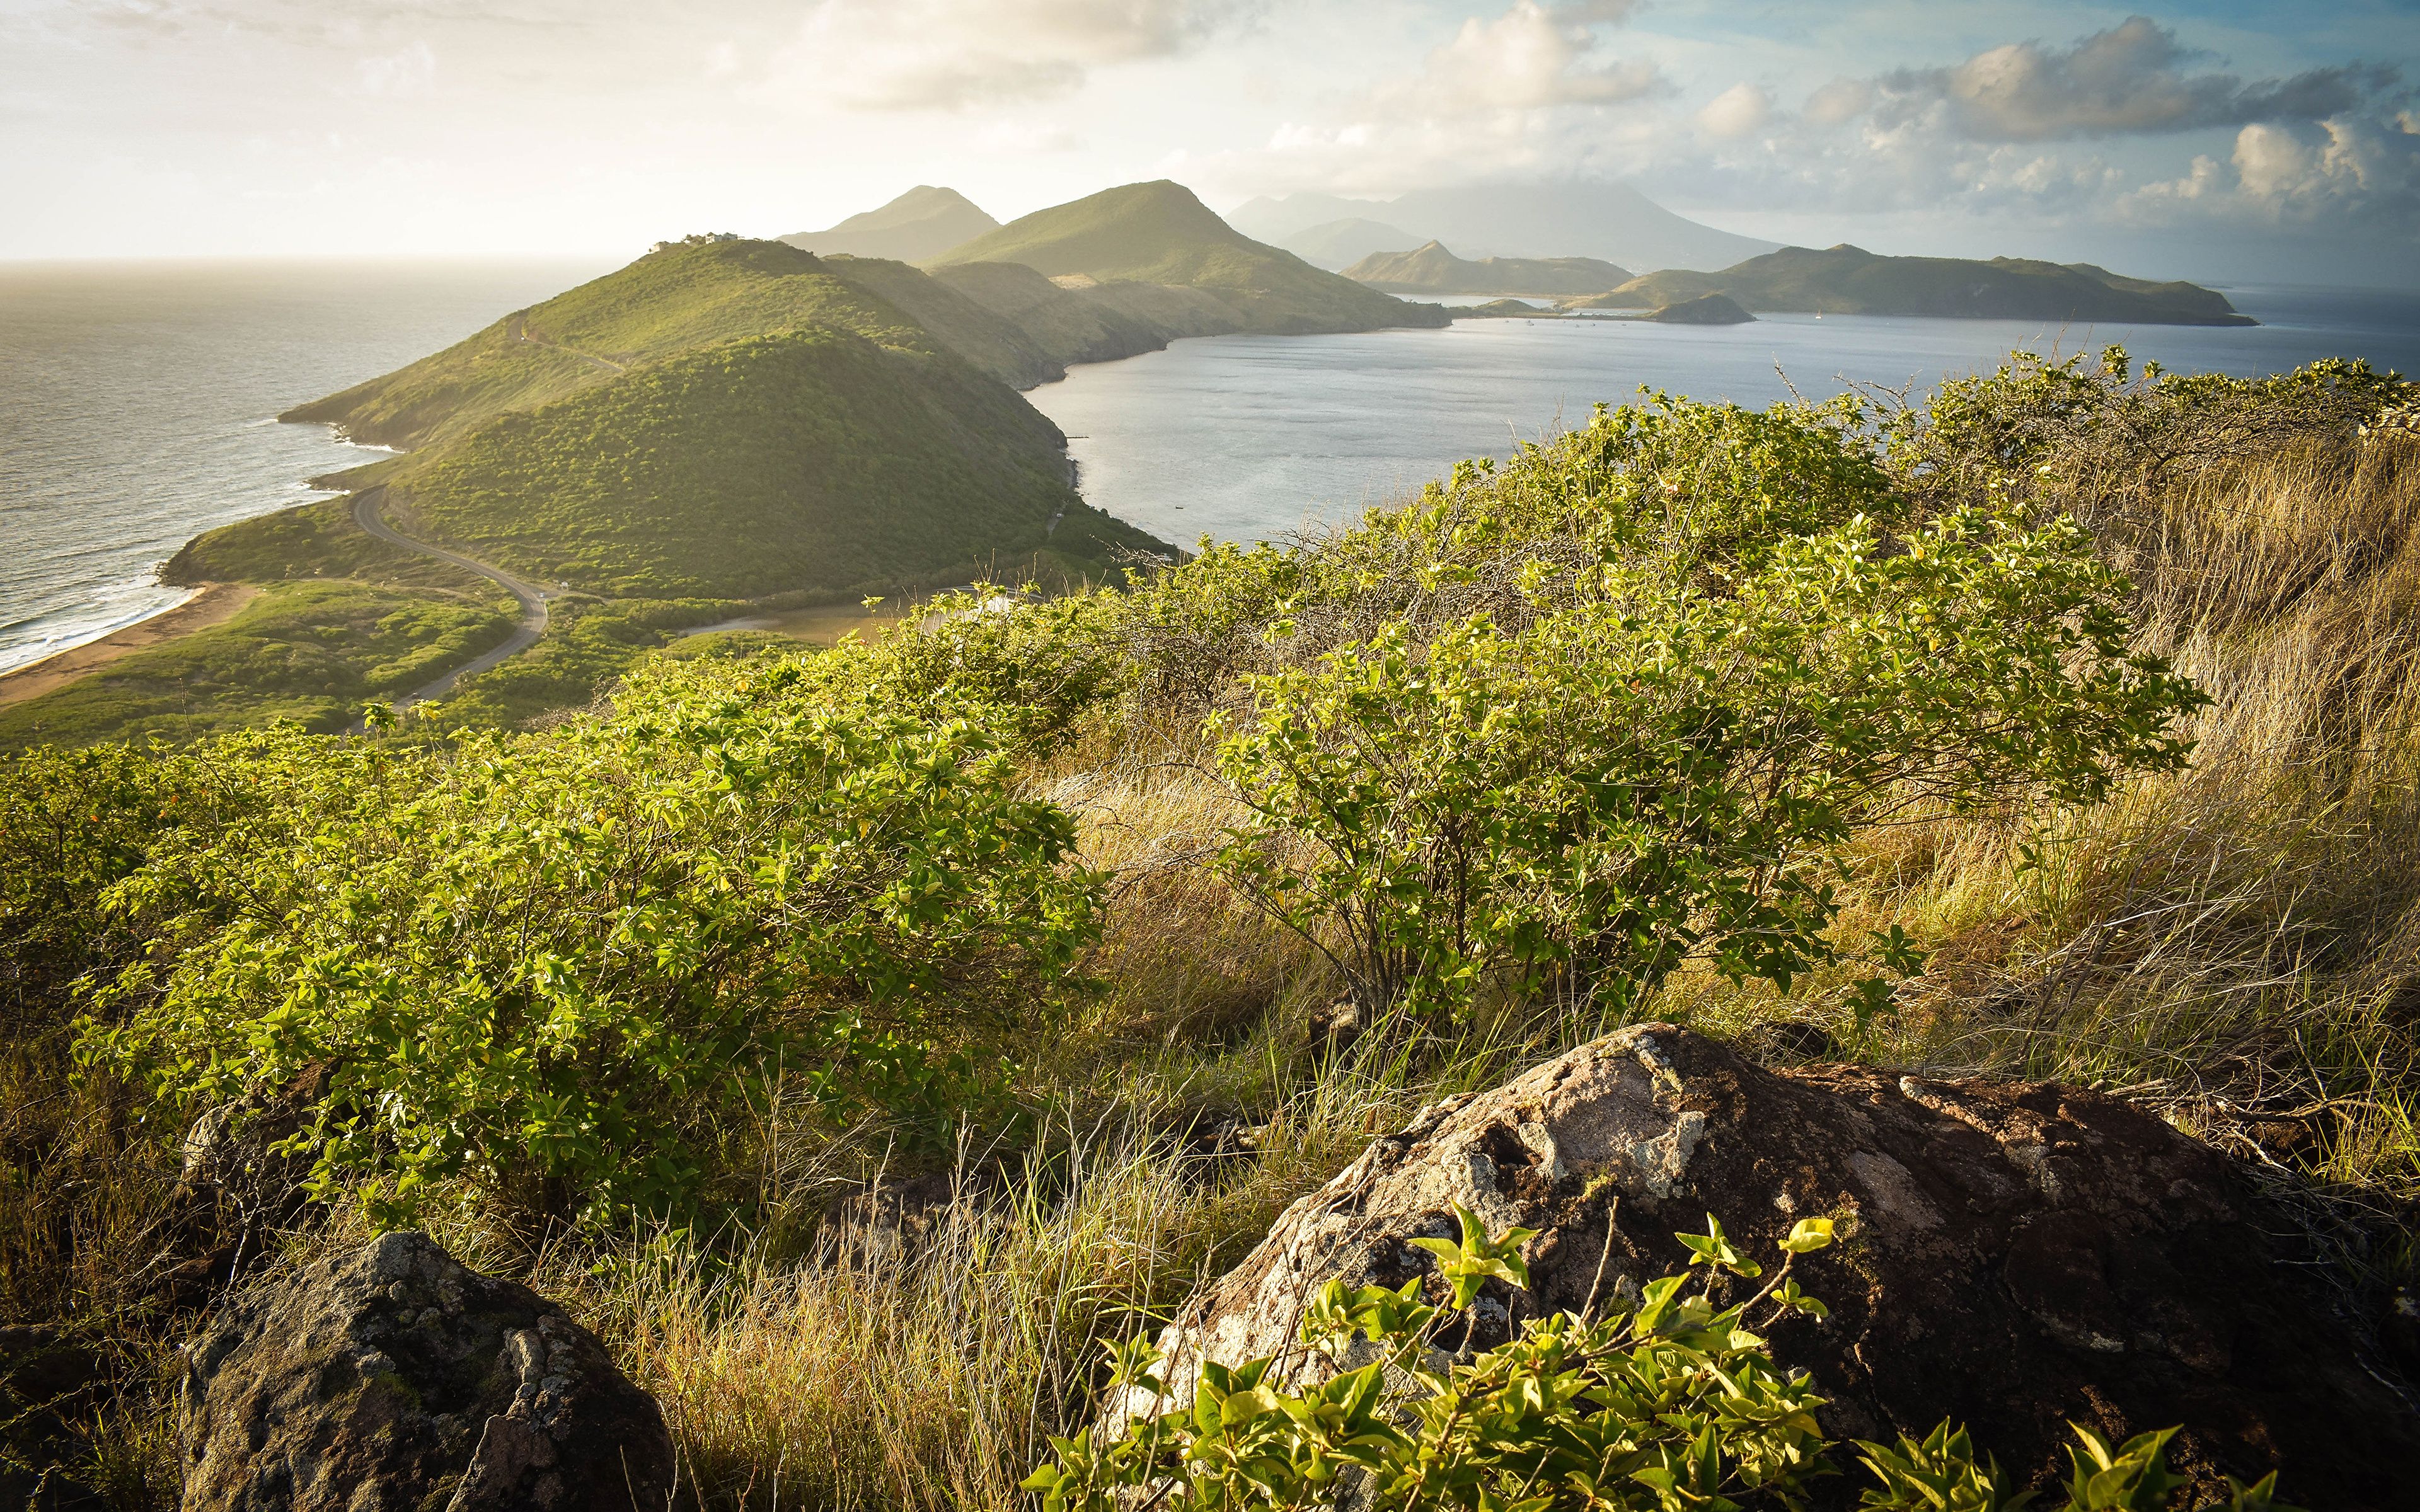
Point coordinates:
[(214, 603)]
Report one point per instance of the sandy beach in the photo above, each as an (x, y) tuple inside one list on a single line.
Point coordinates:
[(216, 603)]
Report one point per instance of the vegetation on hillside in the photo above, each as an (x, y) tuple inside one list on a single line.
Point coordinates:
[(307, 654), (1846, 280), (807, 459), (1158, 233), (2061, 725), (683, 295)]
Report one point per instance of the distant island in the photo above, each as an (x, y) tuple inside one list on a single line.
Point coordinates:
[(1432, 269), (1705, 310), (1846, 280)]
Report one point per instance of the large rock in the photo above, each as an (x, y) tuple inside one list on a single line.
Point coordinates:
[(2014, 1256), (394, 1378)]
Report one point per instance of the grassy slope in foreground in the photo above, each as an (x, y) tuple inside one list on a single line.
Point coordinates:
[(1434, 270), (1158, 233), (1846, 280)]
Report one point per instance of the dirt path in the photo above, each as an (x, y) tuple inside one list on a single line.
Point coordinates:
[(216, 603), (533, 598), (515, 330)]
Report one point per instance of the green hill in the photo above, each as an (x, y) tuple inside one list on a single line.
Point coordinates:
[(1846, 280), (680, 296), (1074, 326), (922, 222), (994, 343), (1434, 269), (804, 459), (1158, 233)]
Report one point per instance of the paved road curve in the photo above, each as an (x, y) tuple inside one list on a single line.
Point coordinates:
[(533, 598)]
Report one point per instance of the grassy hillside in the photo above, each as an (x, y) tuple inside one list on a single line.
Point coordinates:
[(1067, 325), (682, 295), (812, 458), (1434, 269), (1159, 233), (992, 342), (922, 222), (1846, 280), (309, 652)]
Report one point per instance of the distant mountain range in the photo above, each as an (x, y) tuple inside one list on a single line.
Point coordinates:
[(1846, 280), (1434, 269), (922, 222), (1610, 222)]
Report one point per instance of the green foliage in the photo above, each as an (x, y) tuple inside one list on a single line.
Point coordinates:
[(588, 644), (550, 964), (1658, 769), (1667, 1405), (307, 654)]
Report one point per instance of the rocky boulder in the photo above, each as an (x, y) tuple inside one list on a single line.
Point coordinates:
[(394, 1378), (2014, 1256)]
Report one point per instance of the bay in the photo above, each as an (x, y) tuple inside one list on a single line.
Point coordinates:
[(1252, 438)]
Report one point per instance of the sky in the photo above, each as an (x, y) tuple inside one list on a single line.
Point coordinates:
[(2226, 140)]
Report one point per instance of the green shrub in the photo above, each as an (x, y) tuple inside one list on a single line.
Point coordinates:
[(1659, 770), (1667, 1405), (554, 963)]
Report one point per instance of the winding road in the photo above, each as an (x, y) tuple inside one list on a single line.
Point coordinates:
[(533, 598)]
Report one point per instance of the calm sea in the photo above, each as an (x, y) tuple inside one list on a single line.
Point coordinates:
[(1245, 438), (136, 404), (136, 401)]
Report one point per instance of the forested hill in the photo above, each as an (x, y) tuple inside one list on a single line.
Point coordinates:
[(1158, 234), (1846, 280), (1433, 268)]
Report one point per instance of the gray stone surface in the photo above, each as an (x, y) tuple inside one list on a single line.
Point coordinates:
[(2015, 1255), (394, 1378)]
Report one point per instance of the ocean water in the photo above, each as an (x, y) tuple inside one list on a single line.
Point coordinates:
[(137, 405), (138, 401), (1250, 437)]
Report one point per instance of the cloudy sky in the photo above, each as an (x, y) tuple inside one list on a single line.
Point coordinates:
[(2225, 139)]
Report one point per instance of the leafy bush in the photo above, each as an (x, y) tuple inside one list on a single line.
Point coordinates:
[(553, 963), (1667, 1405), (1659, 770)]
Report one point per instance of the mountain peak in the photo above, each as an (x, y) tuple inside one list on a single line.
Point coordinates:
[(926, 220)]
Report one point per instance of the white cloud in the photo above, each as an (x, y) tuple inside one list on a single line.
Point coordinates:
[(959, 54), (1737, 111), (2135, 78), (1528, 58), (402, 75)]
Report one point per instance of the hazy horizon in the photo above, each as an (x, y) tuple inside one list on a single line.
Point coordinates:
[(2223, 140)]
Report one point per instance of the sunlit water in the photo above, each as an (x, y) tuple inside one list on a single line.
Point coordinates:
[(1246, 438), (136, 401), (136, 404)]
